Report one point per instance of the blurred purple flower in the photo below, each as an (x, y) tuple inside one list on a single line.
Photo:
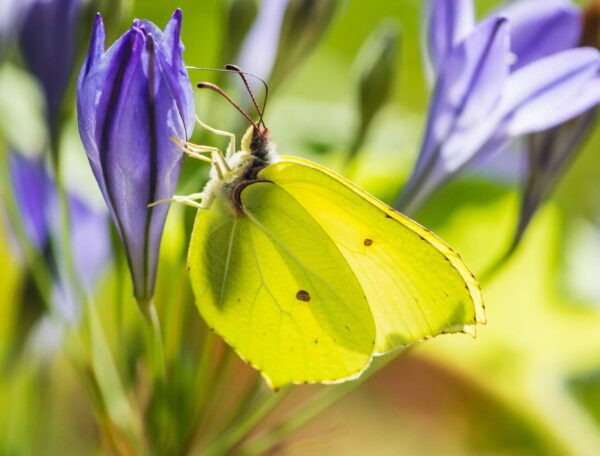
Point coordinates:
[(550, 152), (130, 100), (480, 101), (539, 28), (32, 189), (37, 201), (90, 247), (449, 22), (48, 38)]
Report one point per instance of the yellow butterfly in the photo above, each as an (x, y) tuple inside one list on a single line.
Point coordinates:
[(308, 276)]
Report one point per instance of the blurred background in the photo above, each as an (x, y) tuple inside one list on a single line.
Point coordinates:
[(528, 384)]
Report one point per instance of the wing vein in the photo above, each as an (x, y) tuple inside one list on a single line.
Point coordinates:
[(228, 260)]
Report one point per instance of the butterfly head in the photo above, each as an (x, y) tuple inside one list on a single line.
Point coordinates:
[(257, 141)]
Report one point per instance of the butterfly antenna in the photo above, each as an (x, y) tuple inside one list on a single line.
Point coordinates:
[(220, 91), (230, 68), (238, 70)]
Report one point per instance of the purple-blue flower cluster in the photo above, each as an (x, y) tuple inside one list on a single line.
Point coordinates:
[(498, 80)]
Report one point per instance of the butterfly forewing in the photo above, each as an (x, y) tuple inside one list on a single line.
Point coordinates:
[(416, 286), (273, 284)]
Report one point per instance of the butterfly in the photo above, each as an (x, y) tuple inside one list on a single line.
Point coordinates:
[(308, 277)]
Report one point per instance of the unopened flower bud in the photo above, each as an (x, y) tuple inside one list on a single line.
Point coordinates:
[(131, 100), (240, 15), (304, 23), (376, 68)]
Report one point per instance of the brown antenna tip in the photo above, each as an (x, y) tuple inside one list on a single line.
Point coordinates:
[(220, 91)]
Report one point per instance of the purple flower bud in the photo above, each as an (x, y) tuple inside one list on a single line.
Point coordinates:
[(48, 40), (131, 99), (549, 153)]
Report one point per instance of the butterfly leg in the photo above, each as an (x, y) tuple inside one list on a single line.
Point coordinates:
[(189, 200), (196, 151), (230, 146)]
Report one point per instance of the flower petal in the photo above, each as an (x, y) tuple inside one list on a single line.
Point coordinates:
[(552, 90), (463, 114), (541, 27), (549, 153), (96, 48), (447, 23)]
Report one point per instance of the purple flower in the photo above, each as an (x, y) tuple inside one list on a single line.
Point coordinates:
[(131, 99), (557, 21), (37, 202), (32, 190), (48, 38), (483, 98), (550, 152)]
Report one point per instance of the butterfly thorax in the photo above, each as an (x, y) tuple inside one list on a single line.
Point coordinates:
[(257, 152)]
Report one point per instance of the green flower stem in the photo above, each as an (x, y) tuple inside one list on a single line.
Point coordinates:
[(321, 401), (245, 402), (248, 399), (236, 434), (200, 389), (97, 359), (212, 382), (489, 274), (154, 342), (66, 252)]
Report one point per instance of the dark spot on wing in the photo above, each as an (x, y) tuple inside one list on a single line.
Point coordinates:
[(368, 242), (388, 216), (316, 341), (303, 295)]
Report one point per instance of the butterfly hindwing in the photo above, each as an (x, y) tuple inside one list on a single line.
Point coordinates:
[(416, 285), (273, 284)]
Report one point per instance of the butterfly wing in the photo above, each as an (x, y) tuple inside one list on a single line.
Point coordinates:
[(277, 289), (416, 285)]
